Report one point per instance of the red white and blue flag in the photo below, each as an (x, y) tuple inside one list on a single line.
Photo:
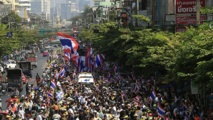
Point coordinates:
[(99, 60), (81, 63), (152, 96), (62, 73), (161, 112), (69, 44), (67, 56), (75, 58), (52, 84), (49, 94)]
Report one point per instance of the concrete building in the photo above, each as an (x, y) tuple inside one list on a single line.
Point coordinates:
[(42, 8), (167, 13), (46, 9), (66, 11), (24, 8), (12, 3)]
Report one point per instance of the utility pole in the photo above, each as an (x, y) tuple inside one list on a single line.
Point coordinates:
[(137, 12), (198, 12)]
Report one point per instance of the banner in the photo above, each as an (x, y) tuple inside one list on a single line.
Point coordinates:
[(187, 6), (189, 20)]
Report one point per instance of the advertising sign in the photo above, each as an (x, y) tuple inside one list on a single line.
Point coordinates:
[(180, 29), (189, 20), (187, 6)]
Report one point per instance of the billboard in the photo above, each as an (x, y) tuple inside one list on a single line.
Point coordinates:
[(189, 20), (187, 6), (180, 29)]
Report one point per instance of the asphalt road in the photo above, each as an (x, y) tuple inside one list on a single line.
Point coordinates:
[(41, 63)]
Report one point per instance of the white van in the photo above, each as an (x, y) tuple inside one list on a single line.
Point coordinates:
[(85, 78)]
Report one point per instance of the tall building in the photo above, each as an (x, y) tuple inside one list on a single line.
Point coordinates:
[(42, 8), (46, 9), (66, 11), (24, 8), (13, 4)]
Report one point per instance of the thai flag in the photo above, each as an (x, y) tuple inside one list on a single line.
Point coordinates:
[(81, 63), (68, 43), (52, 84), (75, 60), (62, 73), (153, 96), (99, 60), (161, 111), (67, 56), (49, 94)]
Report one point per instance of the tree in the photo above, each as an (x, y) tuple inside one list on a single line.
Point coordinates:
[(12, 20)]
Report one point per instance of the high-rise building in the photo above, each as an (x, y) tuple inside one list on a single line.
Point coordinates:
[(46, 9), (42, 8), (66, 11), (24, 8)]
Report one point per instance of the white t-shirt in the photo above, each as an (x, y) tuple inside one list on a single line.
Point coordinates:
[(56, 116)]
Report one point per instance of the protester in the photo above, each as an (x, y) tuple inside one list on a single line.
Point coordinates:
[(58, 96)]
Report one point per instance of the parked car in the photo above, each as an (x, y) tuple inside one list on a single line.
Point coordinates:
[(45, 53)]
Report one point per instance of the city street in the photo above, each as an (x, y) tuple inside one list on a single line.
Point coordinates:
[(41, 65)]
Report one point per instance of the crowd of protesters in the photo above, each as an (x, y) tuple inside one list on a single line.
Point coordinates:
[(111, 97)]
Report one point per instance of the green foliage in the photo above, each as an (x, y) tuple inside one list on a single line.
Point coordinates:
[(206, 10), (142, 18), (180, 56), (12, 20)]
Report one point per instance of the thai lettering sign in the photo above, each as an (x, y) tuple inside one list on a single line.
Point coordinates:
[(187, 6), (189, 20)]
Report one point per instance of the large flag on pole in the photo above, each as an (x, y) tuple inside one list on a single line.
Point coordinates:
[(68, 43)]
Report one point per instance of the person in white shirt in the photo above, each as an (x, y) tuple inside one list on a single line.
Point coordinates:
[(21, 112)]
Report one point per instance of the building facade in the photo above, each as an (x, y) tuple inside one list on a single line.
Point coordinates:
[(167, 13), (42, 8), (66, 11), (24, 8)]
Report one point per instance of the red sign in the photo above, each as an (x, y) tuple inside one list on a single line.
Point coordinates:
[(31, 59), (189, 20), (187, 6), (180, 29)]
